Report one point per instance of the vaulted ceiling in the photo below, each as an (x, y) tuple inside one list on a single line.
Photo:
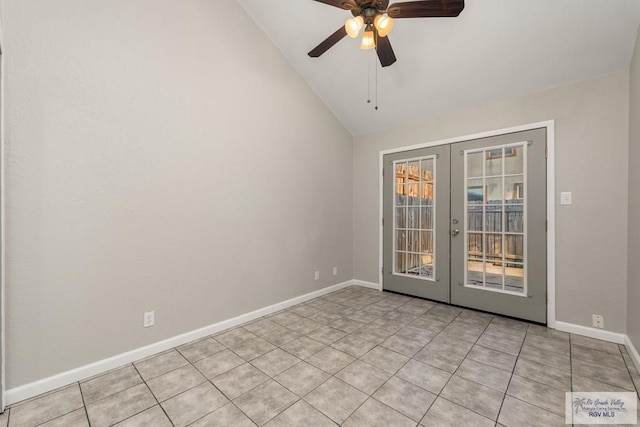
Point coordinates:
[(495, 49)]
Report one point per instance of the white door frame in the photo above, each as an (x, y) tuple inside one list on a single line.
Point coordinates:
[(549, 125)]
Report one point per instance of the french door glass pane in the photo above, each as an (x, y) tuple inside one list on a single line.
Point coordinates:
[(426, 242), (495, 218), (413, 241), (400, 217), (475, 272), (513, 188), (401, 238), (514, 277), (475, 191), (414, 218), (476, 250), (474, 164), (513, 164), (400, 199), (494, 162), (494, 275), (400, 264), (514, 218), (427, 170), (401, 173), (426, 218), (427, 193), (493, 188), (426, 269)]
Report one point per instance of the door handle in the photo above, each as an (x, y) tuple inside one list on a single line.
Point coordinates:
[(455, 232)]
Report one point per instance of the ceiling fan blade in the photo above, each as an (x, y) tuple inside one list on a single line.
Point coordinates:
[(426, 9), (385, 51), (342, 4), (328, 42)]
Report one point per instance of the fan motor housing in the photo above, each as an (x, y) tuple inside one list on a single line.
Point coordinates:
[(368, 9)]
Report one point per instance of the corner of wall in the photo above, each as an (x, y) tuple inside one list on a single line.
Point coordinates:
[(633, 243), (2, 227)]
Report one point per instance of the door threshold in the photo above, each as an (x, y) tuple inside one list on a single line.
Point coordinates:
[(467, 308)]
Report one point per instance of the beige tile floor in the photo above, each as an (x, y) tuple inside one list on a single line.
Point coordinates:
[(355, 357)]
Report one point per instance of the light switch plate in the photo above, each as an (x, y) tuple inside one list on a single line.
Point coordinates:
[(565, 198)]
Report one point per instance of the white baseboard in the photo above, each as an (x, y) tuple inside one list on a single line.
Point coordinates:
[(36, 388), (364, 284), (633, 352), (599, 334)]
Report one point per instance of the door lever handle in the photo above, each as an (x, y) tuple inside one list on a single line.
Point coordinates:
[(455, 232)]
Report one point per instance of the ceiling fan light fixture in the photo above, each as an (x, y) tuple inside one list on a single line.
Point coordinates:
[(353, 26), (383, 24), (368, 39)]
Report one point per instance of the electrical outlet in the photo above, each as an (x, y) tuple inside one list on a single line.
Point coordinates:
[(149, 319), (335, 271), (317, 275), (598, 321)]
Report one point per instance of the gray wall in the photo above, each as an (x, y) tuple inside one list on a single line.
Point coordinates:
[(633, 297), (591, 161), (161, 154)]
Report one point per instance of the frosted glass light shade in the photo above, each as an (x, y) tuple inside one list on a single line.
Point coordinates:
[(368, 40), (383, 24), (353, 26)]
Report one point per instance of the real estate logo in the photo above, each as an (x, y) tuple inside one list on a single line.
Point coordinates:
[(601, 408)]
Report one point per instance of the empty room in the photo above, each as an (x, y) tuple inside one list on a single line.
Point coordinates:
[(319, 213)]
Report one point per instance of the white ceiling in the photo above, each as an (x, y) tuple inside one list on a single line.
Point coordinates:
[(495, 49)]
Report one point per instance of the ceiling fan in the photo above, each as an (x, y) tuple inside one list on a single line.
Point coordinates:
[(377, 19)]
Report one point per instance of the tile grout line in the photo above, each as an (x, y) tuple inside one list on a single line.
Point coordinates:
[(84, 405), (210, 380), (370, 396), (512, 374), (452, 374), (311, 391), (629, 370), (269, 376), (439, 395), (349, 364), (152, 394), (609, 367), (230, 400), (409, 357), (296, 364), (571, 372), (66, 413), (537, 382), (399, 369)]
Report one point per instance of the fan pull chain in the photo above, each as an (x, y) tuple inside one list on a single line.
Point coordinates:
[(369, 79), (376, 65), (373, 55)]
